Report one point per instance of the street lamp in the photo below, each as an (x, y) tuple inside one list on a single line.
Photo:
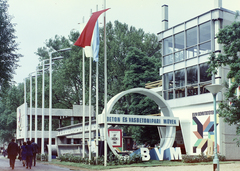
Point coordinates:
[(50, 101), (214, 89), (30, 136), (43, 105), (43, 98)]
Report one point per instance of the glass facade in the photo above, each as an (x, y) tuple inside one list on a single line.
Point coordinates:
[(192, 42), (189, 43), (186, 82)]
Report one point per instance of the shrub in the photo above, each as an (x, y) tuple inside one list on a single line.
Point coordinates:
[(111, 159), (201, 158), (42, 157)]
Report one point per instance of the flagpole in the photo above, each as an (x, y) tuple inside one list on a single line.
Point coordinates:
[(36, 105), (30, 137), (97, 106), (105, 90), (90, 102), (83, 132)]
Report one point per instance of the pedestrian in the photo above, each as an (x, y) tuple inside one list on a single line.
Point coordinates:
[(12, 151), (24, 153), (35, 151), (19, 152), (146, 145), (29, 148), (4, 152), (134, 146)]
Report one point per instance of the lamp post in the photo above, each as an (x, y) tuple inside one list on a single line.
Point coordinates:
[(50, 101), (30, 136), (43, 105), (214, 89)]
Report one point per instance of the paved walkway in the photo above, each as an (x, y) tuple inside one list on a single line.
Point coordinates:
[(4, 166)]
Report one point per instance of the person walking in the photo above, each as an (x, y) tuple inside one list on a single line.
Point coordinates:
[(24, 153), (35, 151), (12, 151), (19, 152), (29, 148)]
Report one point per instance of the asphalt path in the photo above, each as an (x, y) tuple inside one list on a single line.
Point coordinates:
[(4, 166)]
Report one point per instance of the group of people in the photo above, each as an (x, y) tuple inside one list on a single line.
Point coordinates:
[(27, 153)]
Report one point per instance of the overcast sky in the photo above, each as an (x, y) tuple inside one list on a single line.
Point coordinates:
[(40, 20)]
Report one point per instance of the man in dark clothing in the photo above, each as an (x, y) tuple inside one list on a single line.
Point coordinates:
[(35, 151), (12, 152)]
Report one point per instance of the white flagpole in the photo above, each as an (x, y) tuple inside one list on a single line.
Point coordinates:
[(105, 89), (36, 105), (83, 122), (90, 102), (96, 106), (43, 110), (30, 137), (25, 111)]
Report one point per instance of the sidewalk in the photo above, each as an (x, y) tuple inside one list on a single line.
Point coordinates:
[(235, 166)]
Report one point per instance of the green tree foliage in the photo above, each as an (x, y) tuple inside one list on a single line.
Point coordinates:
[(229, 37), (11, 99), (8, 46), (122, 42), (140, 69)]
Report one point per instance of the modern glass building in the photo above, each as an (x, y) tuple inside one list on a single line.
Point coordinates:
[(186, 48)]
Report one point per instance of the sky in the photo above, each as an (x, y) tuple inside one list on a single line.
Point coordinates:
[(39, 20)]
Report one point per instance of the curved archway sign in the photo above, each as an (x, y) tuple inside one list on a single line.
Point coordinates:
[(166, 124)]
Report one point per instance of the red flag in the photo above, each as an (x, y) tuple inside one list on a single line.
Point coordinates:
[(86, 36)]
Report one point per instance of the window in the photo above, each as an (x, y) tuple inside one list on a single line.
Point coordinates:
[(203, 73), (167, 46), (204, 78), (168, 80), (192, 36), (204, 32), (180, 83), (192, 75), (179, 41), (167, 60), (180, 78), (191, 52), (205, 48), (192, 81), (179, 56), (168, 85)]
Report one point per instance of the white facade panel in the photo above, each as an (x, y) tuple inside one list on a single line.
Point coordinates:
[(204, 18), (167, 33), (179, 65), (191, 62), (204, 58), (191, 23), (178, 28), (168, 68)]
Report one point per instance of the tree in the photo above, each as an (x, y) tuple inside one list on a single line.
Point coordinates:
[(122, 42), (229, 108), (67, 73), (8, 46), (140, 69), (11, 99), (67, 76)]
